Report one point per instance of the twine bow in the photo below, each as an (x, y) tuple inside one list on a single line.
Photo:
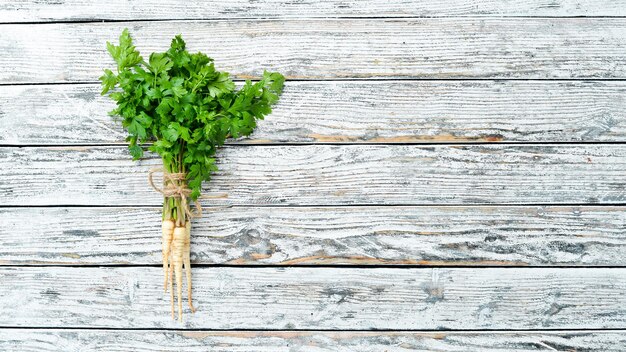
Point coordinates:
[(175, 185)]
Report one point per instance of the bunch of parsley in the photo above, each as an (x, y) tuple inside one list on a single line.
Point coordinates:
[(178, 101)]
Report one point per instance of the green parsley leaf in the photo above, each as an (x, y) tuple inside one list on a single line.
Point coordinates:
[(183, 105)]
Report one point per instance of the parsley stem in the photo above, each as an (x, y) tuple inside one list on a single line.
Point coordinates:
[(197, 83)]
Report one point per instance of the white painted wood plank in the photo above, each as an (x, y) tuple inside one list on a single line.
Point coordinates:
[(329, 49), (579, 236), (329, 175), (82, 10), (355, 112), (319, 298), (49, 340)]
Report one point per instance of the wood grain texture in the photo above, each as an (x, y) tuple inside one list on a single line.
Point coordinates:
[(49, 340), (319, 298), (329, 175), (89, 10), (545, 236), (299, 205), (355, 112), (330, 49)]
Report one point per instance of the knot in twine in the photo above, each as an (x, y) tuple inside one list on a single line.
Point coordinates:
[(175, 185)]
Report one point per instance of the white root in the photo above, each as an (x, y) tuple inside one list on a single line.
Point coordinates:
[(187, 263), (167, 230), (178, 248), (176, 242), (171, 273)]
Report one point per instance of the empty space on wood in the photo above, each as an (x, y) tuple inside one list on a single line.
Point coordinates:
[(330, 175), (323, 341), (378, 235), (441, 48), (319, 298), (86, 10), (345, 112)]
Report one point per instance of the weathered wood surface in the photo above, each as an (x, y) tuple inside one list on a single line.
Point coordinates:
[(48, 340), (355, 112), (340, 48), (492, 235), (319, 298), (441, 81), (89, 10), (329, 175)]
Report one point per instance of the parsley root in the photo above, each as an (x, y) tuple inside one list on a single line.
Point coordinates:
[(187, 263), (178, 248), (187, 109), (167, 229), (181, 240)]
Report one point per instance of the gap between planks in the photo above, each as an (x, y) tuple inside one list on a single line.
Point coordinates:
[(103, 20), (417, 331)]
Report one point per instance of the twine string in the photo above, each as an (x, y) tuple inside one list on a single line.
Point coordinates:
[(175, 186)]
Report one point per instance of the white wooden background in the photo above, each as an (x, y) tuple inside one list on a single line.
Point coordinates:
[(438, 176)]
